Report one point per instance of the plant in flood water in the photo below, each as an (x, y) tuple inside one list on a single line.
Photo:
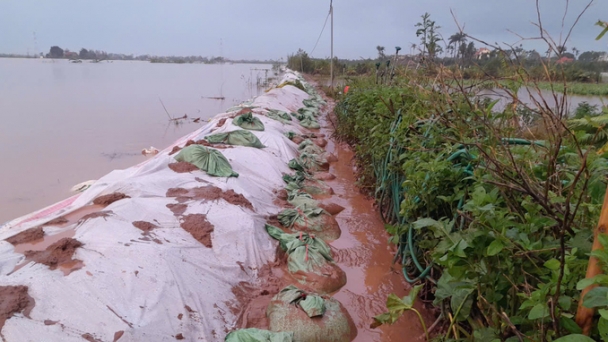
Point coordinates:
[(397, 306)]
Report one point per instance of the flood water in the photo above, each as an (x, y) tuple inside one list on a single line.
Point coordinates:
[(64, 123), (532, 96)]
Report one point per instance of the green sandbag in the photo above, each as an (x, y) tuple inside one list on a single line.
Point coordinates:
[(308, 147), (257, 335), (248, 121), (306, 183), (240, 137), (311, 220), (286, 313), (310, 123), (309, 261), (301, 199), (206, 159), (306, 113), (278, 115), (309, 163)]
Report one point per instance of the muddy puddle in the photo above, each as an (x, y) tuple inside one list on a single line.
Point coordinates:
[(364, 254)]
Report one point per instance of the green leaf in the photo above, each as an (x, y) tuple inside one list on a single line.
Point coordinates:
[(381, 319), (426, 222), (552, 264), (574, 338), (495, 247), (411, 297), (461, 299), (570, 325), (602, 327), (565, 302), (600, 279), (603, 313), (539, 311), (394, 304), (597, 297)]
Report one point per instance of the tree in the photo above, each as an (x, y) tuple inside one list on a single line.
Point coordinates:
[(428, 36), (84, 53), (56, 52), (457, 39), (560, 50), (575, 51), (381, 54)]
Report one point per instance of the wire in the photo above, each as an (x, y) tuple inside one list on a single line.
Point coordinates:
[(320, 34)]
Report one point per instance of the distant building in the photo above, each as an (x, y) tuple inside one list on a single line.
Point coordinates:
[(482, 52), (565, 60)]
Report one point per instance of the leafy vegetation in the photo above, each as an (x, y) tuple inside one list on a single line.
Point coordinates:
[(492, 210)]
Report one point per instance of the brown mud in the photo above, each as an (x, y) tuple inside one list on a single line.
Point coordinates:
[(57, 221), (175, 150), (221, 122), (108, 199), (200, 229), (14, 299), (28, 235), (144, 226), (178, 209), (365, 256), (183, 167), (44, 242), (57, 254), (209, 193)]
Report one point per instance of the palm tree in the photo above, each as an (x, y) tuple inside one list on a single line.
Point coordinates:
[(457, 39), (381, 54)]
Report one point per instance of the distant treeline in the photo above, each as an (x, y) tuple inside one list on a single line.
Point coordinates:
[(91, 54), (472, 62)]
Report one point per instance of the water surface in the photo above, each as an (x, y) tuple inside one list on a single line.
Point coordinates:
[(63, 123)]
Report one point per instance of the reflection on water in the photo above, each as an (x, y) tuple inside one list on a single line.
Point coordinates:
[(64, 123)]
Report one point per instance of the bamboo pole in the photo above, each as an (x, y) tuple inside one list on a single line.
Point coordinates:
[(584, 315)]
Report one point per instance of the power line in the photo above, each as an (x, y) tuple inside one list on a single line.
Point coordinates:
[(320, 34)]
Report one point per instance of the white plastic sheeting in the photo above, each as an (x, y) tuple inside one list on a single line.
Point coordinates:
[(141, 287)]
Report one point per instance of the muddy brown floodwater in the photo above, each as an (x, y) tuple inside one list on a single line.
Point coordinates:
[(363, 252)]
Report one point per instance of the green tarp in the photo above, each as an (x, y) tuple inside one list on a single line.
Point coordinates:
[(307, 184), (309, 163), (206, 159), (308, 147), (257, 335), (240, 137), (248, 121), (307, 253), (278, 115), (311, 220), (287, 312)]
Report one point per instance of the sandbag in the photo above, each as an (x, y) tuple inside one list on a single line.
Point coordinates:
[(309, 163), (239, 137), (309, 260), (278, 115), (207, 159), (257, 335), (308, 184), (309, 147), (311, 220), (248, 121), (290, 310), (310, 123)]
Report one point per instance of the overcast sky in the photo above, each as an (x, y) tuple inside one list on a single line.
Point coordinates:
[(270, 29)]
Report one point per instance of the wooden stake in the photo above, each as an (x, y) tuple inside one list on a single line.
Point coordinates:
[(584, 315)]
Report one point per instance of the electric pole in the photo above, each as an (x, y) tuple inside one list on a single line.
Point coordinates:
[(331, 63)]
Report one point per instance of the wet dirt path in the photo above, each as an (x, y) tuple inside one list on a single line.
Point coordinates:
[(363, 252)]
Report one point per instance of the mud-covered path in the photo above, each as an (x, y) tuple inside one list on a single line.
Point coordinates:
[(363, 252)]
